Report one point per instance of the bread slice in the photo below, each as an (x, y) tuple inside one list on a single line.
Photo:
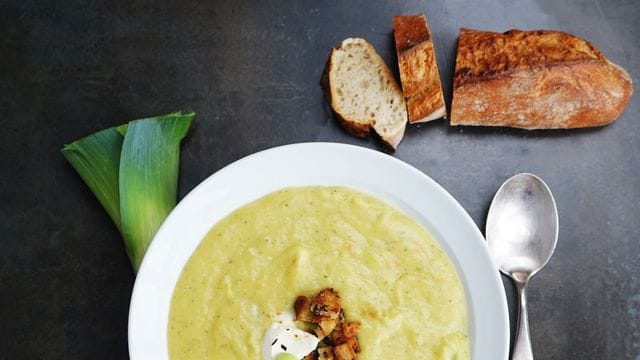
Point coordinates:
[(363, 92), (535, 80), (418, 69)]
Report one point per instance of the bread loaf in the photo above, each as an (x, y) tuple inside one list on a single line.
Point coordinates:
[(535, 80), (418, 69), (363, 92)]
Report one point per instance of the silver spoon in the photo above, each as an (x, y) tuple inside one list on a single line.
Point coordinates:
[(522, 232)]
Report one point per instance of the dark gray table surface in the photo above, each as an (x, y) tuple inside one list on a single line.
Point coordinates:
[(250, 71)]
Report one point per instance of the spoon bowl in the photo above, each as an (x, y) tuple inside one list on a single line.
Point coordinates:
[(522, 232), (522, 225)]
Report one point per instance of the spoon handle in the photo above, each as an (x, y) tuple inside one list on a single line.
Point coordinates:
[(522, 346)]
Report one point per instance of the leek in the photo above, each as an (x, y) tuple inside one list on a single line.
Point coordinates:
[(132, 170), (96, 158)]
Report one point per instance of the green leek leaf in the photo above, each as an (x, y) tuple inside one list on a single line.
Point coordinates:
[(133, 171), (149, 178), (96, 158)]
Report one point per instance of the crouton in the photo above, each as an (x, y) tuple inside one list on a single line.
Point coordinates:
[(324, 327), (346, 333), (325, 353), (343, 352), (326, 304), (302, 309)]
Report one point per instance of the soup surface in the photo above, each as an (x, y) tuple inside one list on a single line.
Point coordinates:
[(391, 275)]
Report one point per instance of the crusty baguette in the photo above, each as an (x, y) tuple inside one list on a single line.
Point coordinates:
[(535, 80), (418, 69), (363, 92)]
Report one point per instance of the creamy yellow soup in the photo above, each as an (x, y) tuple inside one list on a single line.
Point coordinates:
[(391, 275)]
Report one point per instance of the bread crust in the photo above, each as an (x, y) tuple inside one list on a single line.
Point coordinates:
[(535, 80), (418, 69)]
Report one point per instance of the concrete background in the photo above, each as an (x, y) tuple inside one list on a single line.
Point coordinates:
[(250, 70)]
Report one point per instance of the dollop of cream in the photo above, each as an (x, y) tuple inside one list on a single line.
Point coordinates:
[(284, 337)]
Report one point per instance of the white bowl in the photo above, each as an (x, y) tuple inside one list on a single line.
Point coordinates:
[(370, 171)]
